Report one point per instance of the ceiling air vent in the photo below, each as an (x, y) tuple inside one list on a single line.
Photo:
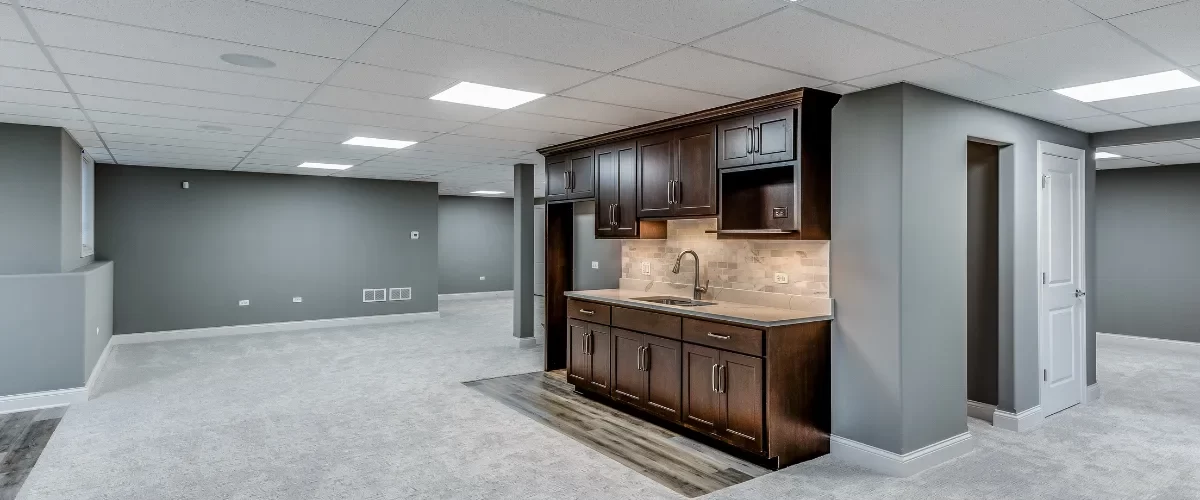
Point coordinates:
[(400, 294)]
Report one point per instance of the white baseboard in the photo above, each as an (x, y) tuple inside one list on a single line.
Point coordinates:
[(94, 378), (287, 326), (1093, 393), (981, 411), (476, 295), (894, 464), (1018, 422), (1147, 342), (44, 399)]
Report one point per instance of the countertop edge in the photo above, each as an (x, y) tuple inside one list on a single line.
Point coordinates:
[(681, 311)]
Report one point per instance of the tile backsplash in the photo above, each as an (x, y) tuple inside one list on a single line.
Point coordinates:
[(730, 264)]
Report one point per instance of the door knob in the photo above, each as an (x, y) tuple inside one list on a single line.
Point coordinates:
[(1079, 293)]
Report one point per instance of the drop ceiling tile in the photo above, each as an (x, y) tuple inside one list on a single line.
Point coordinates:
[(323, 131), (344, 152), (1049, 106), (11, 27), (1087, 54), (956, 26), (372, 12), (465, 149), (164, 150), (400, 105), (707, 72), (541, 138), (172, 123), (951, 77), (1122, 163), (689, 19), (530, 121), (233, 20), (38, 97), (1172, 30), (1102, 123), (171, 141), (74, 62), (43, 121), (30, 79), (374, 119), (522, 30), (168, 163), (639, 94), (840, 88), (483, 142), (1165, 116), (143, 133), (390, 81), (126, 106), (88, 86), (35, 111), (23, 55), (1109, 9), (1176, 159), (283, 170), (565, 107), (804, 42), (90, 35), (410, 155), (459, 62), (1150, 101), (1151, 149)]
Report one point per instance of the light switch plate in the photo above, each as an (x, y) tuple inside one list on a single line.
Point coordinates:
[(781, 278), (646, 269), (482, 278), (297, 299), (595, 265), (243, 302)]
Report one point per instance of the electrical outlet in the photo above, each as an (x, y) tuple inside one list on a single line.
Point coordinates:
[(243, 302), (297, 300), (781, 278), (482, 278), (646, 269), (415, 235), (595, 265)]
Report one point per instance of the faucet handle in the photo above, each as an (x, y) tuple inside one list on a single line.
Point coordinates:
[(703, 289)]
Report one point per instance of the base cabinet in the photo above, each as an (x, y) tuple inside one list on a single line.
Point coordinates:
[(723, 395), (646, 372), (587, 362)]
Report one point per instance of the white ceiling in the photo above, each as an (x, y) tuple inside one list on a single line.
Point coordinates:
[(1151, 154), (141, 82)]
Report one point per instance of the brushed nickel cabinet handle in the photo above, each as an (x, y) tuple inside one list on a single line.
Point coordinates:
[(645, 358), (670, 192), (749, 139), (721, 378), (715, 336), (585, 350), (614, 216), (639, 359), (713, 378), (590, 313), (677, 192)]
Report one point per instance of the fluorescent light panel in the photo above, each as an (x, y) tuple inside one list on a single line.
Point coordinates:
[(1101, 155), (487, 192), (486, 96), (325, 166), (378, 143), (1128, 87)]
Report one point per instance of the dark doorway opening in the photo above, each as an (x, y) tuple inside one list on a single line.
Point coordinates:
[(983, 276)]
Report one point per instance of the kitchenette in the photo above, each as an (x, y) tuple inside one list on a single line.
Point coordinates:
[(720, 324)]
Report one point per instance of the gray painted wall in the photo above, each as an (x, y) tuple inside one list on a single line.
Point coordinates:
[(71, 203), (898, 265), (1147, 281), (97, 311), (186, 257), (30, 185), (475, 238), (588, 249)]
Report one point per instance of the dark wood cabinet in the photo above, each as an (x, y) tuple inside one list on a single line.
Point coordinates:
[(701, 408), (588, 358), (616, 191), (740, 385), (556, 178), (677, 174), (646, 372), (656, 173), (629, 381), (733, 142), (765, 137), (571, 176)]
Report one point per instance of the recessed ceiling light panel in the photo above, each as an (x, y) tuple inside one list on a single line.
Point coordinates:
[(378, 143), (1101, 155), (325, 166), (487, 192), (248, 61), (1129, 87), (486, 96)]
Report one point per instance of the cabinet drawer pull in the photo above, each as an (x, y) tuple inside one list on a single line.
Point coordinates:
[(716, 336), (713, 378), (590, 313), (721, 378)]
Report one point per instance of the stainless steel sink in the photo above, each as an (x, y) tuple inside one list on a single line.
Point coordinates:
[(674, 301)]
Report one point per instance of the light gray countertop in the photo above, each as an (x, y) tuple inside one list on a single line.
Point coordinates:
[(749, 314)]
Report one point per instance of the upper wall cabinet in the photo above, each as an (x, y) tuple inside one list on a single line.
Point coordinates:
[(765, 137), (677, 175), (616, 190), (571, 176)]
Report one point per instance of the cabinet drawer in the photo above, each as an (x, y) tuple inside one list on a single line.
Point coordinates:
[(727, 337), (589, 311), (663, 325)]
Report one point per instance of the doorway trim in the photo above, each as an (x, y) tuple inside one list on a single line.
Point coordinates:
[(1080, 156)]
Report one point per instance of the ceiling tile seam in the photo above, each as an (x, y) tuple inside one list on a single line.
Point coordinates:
[(489, 49), (208, 108), (1176, 2), (190, 34), (37, 38), (777, 68), (587, 21), (1185, 69), (164, 87), (155, 61), (369, 25), (167, 128)]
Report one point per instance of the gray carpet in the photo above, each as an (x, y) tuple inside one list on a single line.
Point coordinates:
[(380, 413)]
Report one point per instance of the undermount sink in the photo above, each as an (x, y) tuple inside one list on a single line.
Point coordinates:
[(674, 301)]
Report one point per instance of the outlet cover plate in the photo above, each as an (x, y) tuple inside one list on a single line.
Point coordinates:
[(297, 300), (781, 278), (243, 303), (645, 269)]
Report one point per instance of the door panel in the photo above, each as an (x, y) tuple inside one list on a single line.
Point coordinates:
[(1062, 262), (583, 172), (696, 171), (556, 178), (608, 189), (734, 142), (655, 170), (775, 136), (664, 376), (600, 349), (626, 210), (629, 381), (579, 363), (701, 408), (741, 400)]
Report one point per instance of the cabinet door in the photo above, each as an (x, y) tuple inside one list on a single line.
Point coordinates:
[(740, 383), (662, 365), (556, 178), (701, 405), (628, 379), (600, 348), (583, 175), (579, 362), (608, 189), (733, 142), (775, 136), (696, 171), (655, 160), (626, 209)]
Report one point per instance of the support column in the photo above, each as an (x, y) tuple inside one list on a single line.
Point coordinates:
[(523, 320)]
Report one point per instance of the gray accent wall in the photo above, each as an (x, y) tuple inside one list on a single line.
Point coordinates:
[(186, 257), (1147, 240), (588, 249), (30, 187), (475, 238)]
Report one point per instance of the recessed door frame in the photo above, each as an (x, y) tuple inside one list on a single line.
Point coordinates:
[(1078, 155)]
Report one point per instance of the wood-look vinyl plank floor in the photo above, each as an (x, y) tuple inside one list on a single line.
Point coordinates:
[(23, 436), (681, 464)]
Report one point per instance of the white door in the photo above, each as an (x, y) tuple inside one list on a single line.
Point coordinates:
[(1061, 335)]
